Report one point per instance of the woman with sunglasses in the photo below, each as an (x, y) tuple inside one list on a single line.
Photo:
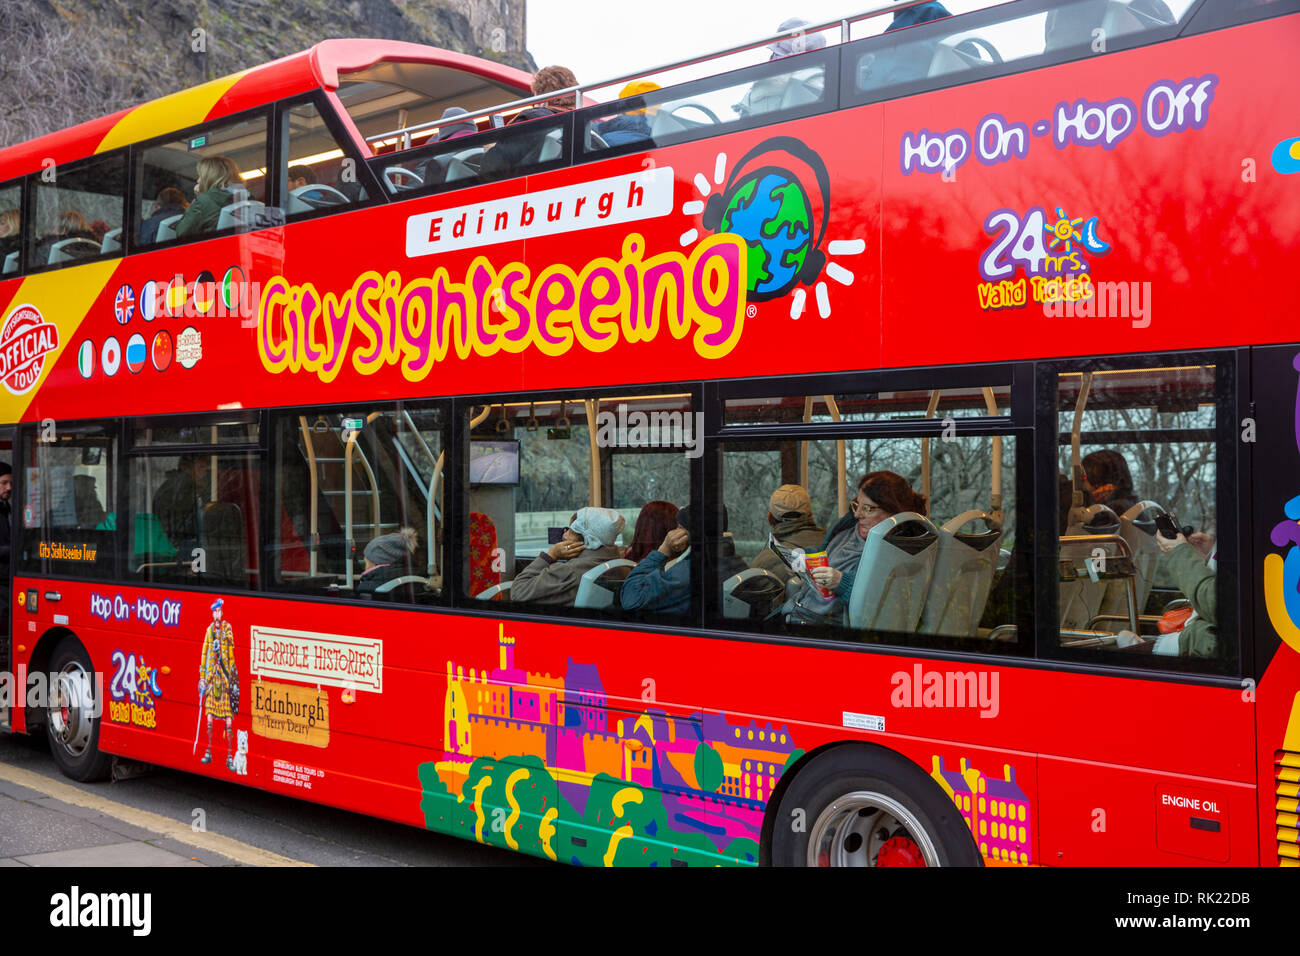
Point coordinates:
[(880, 495)]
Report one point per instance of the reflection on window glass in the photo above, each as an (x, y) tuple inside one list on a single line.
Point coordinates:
[(360, 494), (79, 215), (169, 432), (319, 176), (196, 518), (1142, 457), (68, 510), (207, 181), (919, 547), (891, 406)]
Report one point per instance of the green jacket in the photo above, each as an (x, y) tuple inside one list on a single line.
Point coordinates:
[(203, 214), (1188, 570)]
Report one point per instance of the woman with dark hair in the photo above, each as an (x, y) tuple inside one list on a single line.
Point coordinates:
[(881, 494), (1108, 480), (654, 522)]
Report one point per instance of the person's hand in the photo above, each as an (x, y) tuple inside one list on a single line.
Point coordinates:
[(1202, 542), (1168, 544), (675, 542), (564, 550), (827, 577)]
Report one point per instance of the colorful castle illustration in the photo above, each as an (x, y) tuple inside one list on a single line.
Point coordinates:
[(713, 777), (997, 811)]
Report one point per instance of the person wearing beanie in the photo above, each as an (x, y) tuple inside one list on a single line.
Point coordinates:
[(554, 575), (789, 514), (455, 130), (387, 557), (770, 92), (634, 125), (654, 586)]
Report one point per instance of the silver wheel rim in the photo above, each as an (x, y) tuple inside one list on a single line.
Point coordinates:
[(853, 828), (70, 718)]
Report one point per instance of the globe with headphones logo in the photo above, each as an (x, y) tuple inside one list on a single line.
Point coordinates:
[(769, 208)]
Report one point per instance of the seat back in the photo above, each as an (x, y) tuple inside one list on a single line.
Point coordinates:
[(894, 573), (754, 592), (552, 146), (963, 576), (167, 228), (112, 241), (315, 196), (1081, 596), (1137, 526), (495, 591), (595, 593), (241, 212), (68, 250), (11, 262)]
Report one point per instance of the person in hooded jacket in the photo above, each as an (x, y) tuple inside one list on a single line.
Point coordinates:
[(554, 575), (632, 126), (653, 586)]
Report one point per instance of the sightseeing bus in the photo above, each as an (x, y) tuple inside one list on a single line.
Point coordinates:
[(452, 477)]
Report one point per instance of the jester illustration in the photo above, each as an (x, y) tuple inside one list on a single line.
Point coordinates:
[(218, 683)]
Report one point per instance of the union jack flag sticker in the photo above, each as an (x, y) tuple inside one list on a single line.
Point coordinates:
[(124, 304)]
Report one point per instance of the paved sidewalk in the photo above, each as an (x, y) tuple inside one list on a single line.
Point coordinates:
[(38, 830)]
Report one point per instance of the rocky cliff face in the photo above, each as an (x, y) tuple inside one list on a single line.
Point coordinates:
[(66, 61)]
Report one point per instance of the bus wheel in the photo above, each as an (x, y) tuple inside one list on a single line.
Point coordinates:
[(72, 720), (866, 806)]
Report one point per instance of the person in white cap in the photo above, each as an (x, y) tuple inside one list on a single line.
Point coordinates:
[(554, 575), (789, 514), (769, 93)]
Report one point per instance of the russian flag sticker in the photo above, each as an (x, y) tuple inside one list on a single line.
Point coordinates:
[(137, 353), (149, 300), (86, 359), (110, 356), (162, 351)]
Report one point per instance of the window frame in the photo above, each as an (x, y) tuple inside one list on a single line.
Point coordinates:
[(30, 239), (24, 213), (1233, 578), (376, 194), (1018, 425), (135, 177)]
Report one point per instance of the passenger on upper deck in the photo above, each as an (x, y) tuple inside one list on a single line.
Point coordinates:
[(71, 225), (10, 232), (170, 202), (212, 192), (632, 126), (789, 513), (300, 176), (656, 519), (524, 149), (914, 15), (554, 575), (456, 130), (880, 495), (769, 94)]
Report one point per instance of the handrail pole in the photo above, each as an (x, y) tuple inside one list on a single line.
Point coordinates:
[(314, 540)]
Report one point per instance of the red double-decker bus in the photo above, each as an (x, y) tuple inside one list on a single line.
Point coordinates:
[(880, 455)]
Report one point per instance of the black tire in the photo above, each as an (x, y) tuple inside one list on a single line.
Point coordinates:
[(72, 719), (847, 791)]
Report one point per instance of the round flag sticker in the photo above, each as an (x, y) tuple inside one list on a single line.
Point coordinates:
[(86, 359), (232, 289), (149, 300), (124, 304), (137, 353), (110, 357), (162, 351), (189, 347), (205, 292), (176, 296)]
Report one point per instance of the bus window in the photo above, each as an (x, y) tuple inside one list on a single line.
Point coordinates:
[(10, 227), (79, 213), (211, 180), (321, 174), (1138, 453), (886, 406), (69, 494), (359, 494), (534, 466), (940, 575)]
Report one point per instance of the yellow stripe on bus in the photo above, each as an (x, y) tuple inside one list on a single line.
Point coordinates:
[(170, 113), (62, 297)]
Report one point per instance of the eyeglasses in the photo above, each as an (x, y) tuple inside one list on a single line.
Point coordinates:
[(863, 511)]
